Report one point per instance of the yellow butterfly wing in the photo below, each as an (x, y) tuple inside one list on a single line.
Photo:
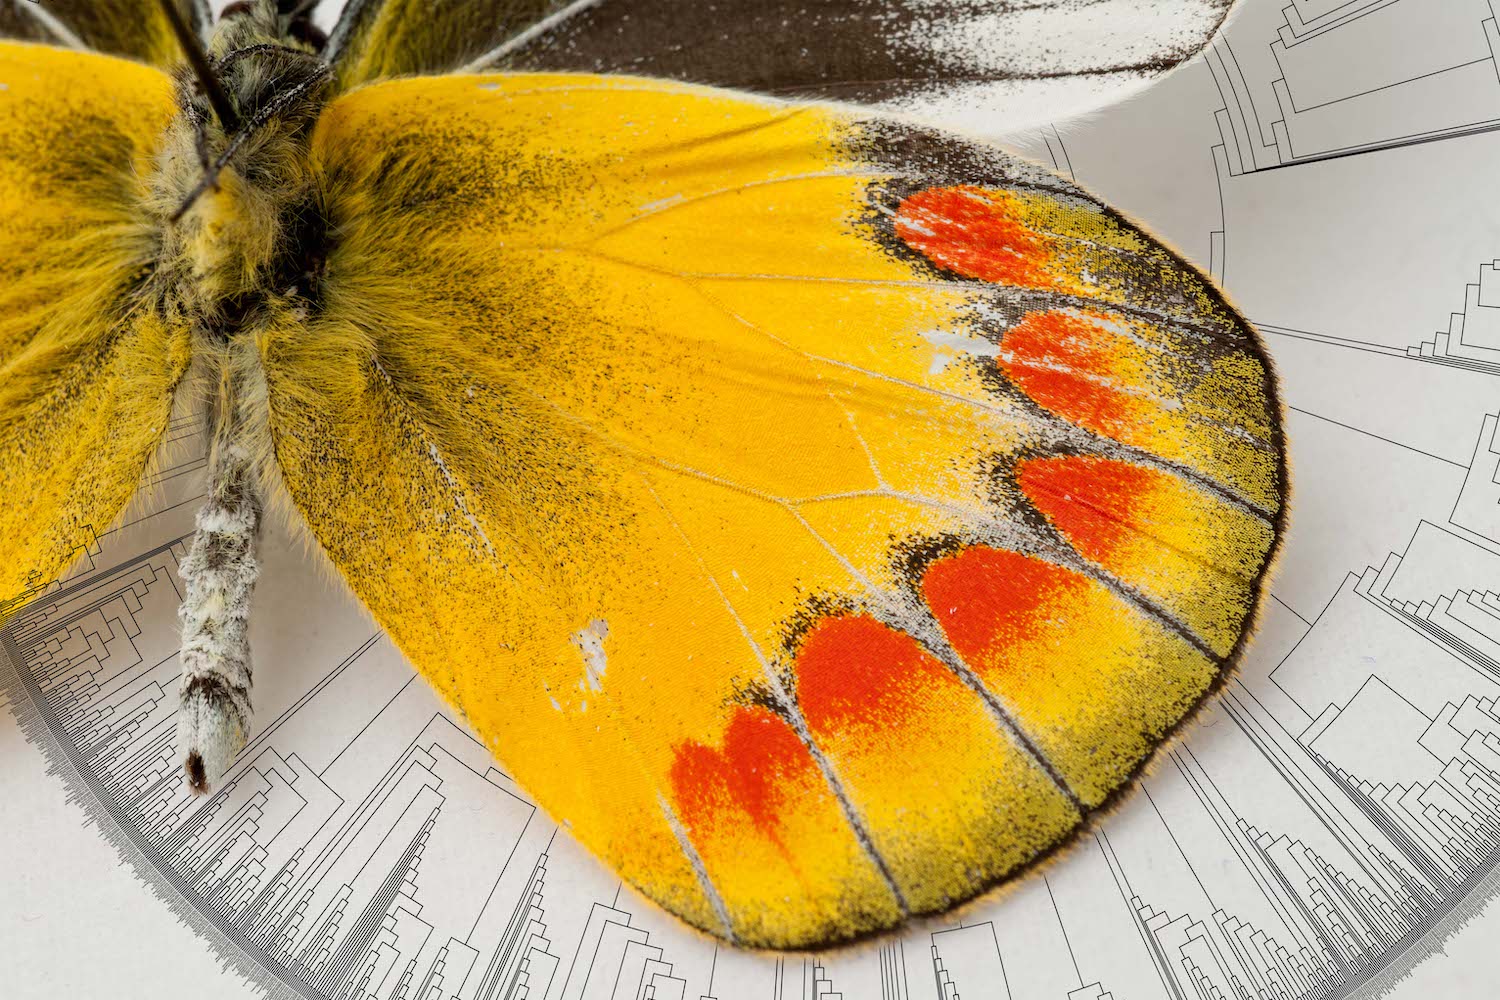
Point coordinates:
[(87, 365), (821, 517)]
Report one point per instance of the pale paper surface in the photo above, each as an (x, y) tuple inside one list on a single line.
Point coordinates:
[(1326, 827)]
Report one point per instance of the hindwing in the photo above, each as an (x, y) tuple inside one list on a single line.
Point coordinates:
[(88, 367), (820, 515)]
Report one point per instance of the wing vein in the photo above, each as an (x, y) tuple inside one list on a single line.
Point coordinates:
[(51, 23), (662, 208), (527, 35), (1144, 532), (1063, 430), (1116, 586), (1055, 298), (925, 629), (528, 543), (434, 455), (700, 871), (792, 712)]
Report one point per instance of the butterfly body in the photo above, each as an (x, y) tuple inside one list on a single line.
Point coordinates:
[(823, 516), (241, 243)]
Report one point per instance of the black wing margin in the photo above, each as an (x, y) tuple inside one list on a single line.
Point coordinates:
[(1036, 60)]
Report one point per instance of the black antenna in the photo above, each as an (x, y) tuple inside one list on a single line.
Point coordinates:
[(198, 60)]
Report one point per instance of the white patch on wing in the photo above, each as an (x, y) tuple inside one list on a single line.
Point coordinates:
[(590, 642), (1052, 39), (949, 345), (1062, 59), (658, 205), (458, 498)]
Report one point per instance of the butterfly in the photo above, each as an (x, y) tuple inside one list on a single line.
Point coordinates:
[(824, 516)]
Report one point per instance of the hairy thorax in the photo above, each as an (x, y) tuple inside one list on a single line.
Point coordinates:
[(242, 232)]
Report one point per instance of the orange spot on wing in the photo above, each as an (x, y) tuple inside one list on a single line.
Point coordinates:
[(976, 232), (1093, 682), (854, 672), (943, 789), (1099, 504), (1068, 364), (761, 764), (987, 599)]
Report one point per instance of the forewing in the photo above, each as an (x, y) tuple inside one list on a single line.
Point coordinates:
[(86, 370), (136, 29), (17, 23), (377, 39), (820, 516), (1021, 63)]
